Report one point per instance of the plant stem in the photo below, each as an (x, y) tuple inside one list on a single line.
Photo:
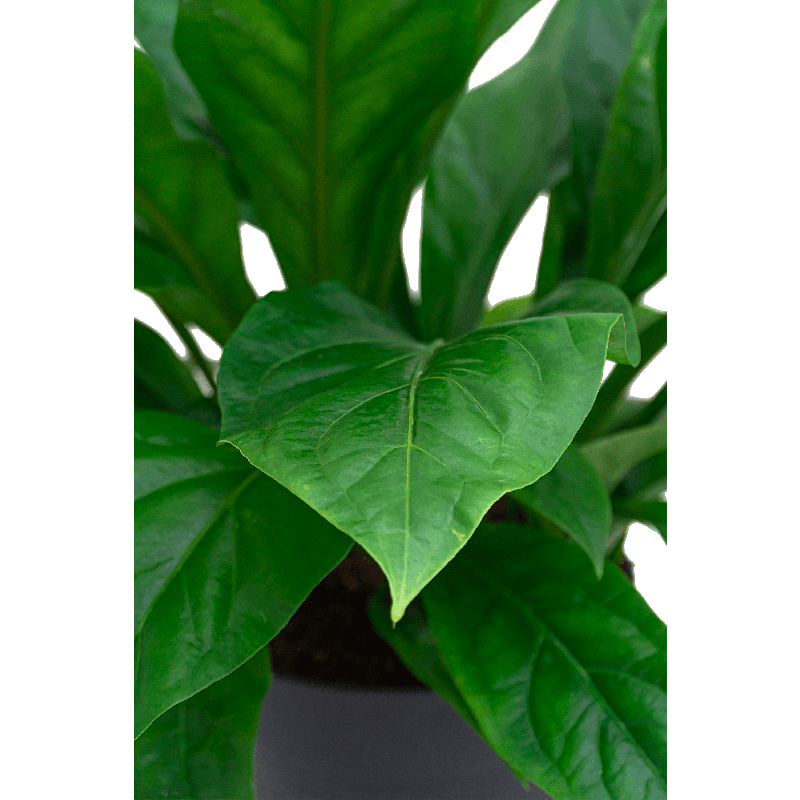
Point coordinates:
[(194, 351)]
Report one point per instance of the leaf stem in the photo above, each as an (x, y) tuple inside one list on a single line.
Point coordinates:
[(197, 357)]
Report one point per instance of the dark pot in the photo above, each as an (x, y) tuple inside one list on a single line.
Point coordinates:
[(323, 741)]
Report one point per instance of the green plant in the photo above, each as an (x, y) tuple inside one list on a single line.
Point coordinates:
[(346, 414)]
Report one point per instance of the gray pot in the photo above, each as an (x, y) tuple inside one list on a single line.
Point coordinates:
[(322, 741)]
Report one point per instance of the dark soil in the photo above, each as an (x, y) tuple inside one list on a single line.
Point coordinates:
[(330, 637)]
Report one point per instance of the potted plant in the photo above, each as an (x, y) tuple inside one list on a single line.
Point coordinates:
[(448, 486)]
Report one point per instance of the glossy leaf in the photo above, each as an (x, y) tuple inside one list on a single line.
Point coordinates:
[(613, 455), (404, 446), (204, 747), (154, 28), (161, 381), (330, 110), (185, 203), (565, 674), (585, 294), (650, 512), (505, 142), (593, 62), (223, 555), (631, 192), (573, 497)]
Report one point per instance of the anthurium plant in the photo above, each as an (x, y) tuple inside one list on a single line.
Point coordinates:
[(348, 414)]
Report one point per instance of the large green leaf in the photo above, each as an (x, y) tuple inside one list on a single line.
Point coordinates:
[(565, 674), (185, 204), (330, 109), (203, 748), (505, 142), (573, 497), (585, 294), (161, 381), (613, 455), (593, 62), (224, 556), (631, 191), (404, 446)]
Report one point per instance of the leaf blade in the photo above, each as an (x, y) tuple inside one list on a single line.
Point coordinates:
[(401, 445), (347, 100), (519, 118), (203, 748), (219, 567), (186, 205), (631, 190), (573, 497), (574, 697)]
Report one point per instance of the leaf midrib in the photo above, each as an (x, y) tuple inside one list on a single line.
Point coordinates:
[(321, 220), (424, 358)]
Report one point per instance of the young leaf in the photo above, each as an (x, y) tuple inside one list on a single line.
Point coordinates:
[(573, 497), (224, 556), (329, 109), (183, 198), (613, 455), (593, 62), (505, 142), (203, 748), (585, 294), (565, 674), (404, 446), (631, 191), (163, 382)]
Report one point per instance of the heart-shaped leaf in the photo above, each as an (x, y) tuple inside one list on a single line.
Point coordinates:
[(573, 497), (220, 565), (565, 674), (203, 747), (185, 204), (402, 445), (329, 109)]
